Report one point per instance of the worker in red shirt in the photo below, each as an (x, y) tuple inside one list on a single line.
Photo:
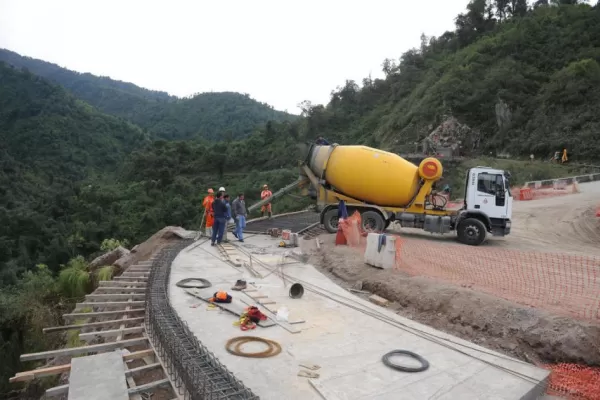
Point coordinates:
[(266, 193), (208, 211)]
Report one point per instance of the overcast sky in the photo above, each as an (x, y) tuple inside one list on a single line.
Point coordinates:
[(280, 52)]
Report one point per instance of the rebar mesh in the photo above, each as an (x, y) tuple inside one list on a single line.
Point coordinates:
[(196, 372)]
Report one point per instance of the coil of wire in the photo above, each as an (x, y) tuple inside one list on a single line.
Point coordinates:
[(234, 346)]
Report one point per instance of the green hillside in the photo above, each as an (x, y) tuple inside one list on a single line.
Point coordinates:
[(80, 161), (49, 142), (213, 116), (524, 81)]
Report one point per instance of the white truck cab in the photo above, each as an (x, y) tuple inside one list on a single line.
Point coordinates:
[(487, 199)]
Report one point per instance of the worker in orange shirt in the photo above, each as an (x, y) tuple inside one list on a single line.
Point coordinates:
[(208, 211), (564, 157), (266, 193)]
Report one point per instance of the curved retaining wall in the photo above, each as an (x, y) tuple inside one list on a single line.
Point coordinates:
[(196, 372)]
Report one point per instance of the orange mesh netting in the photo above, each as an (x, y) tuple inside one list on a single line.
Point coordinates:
[(563, 283), (574, 381)]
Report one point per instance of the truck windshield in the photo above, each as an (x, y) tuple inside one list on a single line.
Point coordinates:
[(490, 183)]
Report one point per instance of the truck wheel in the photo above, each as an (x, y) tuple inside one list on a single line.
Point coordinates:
[(372, 221), (330, 220), (471, 231)]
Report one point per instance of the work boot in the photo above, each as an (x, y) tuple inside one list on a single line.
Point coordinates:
[(240, 284), (235, 234), (270, 214), (262, 213)]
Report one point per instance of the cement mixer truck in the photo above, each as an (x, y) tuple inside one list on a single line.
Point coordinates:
[(386, 188)]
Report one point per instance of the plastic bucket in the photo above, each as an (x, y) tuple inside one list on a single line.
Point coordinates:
[(296, 291)]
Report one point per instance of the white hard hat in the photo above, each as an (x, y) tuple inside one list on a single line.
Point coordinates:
[(221, 189)]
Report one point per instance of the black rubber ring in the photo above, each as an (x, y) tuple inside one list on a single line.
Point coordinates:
[(423, 367), (202, 283)]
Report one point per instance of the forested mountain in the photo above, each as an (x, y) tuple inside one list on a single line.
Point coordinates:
[(49, 142), (526, 81), (214, 116), (80, 161)]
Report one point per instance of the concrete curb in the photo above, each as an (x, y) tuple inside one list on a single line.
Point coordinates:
[(568, 181)]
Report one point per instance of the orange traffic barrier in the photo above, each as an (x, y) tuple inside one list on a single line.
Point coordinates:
[(525, 194)]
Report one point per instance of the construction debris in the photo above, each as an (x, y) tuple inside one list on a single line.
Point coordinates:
[(380, 301)]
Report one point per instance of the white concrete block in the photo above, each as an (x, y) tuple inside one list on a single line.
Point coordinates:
[(384, 258)]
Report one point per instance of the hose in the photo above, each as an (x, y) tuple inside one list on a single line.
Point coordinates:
[(234, 346), (423, 367), (202, 283)]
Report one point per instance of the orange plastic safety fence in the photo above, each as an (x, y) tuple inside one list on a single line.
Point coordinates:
[(562, 283), (576, 382), (352, 229), (542, 192)]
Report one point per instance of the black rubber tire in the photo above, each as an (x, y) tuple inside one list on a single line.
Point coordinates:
[(374, 220), (330, 220), (424, 363), (471, 231), (202, 283)]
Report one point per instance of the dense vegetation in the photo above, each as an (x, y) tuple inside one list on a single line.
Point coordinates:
[(527, 81), (212, 116), (86, 158)]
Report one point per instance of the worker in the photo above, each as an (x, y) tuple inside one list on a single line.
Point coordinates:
[(321, 141), (222, 189), (556, 157), (239, 211), (564, 158), (208, 212), (228, 219), (266, 193), (220, 215)]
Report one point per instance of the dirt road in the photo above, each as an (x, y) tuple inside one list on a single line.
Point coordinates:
[(557, 224)]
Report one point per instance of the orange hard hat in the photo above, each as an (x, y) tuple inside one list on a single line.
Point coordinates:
[(221, 295), (210, 191)]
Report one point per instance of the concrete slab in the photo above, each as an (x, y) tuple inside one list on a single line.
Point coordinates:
[(98, 377), (346, 341)]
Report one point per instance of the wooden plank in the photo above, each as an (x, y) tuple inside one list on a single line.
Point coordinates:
[(59, 369), (124, 284), (83, 350), (57, 391), (130, 278), (137, 320), (112, 332), (116, 296), (142, 369), (107, 289), (109, 304), (149, 386), (102, 314), (233, 307)]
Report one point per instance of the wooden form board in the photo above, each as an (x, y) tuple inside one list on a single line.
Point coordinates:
[(59, 369), (102, 314), (101, 324), (84, 349)]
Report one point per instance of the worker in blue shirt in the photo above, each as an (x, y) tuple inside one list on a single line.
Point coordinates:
[(220, 213)]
